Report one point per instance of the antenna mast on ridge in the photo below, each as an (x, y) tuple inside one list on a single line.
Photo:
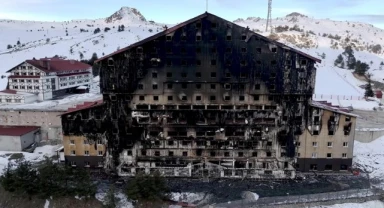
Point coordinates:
[(269, 17)]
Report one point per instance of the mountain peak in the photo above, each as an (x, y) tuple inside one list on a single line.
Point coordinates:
[(125, 13), (296, 14)]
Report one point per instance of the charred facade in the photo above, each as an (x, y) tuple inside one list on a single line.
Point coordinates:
[(206, 98)]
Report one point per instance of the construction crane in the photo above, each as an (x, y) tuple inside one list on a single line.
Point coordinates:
[(269, 17)]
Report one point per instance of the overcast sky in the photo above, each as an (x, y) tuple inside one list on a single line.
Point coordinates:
[(175, 11)]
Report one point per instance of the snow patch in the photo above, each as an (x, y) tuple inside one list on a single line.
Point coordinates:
[(46, 205), (188, 197), (369, 204)]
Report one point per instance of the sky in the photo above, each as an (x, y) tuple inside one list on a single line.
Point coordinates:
[(176, 11)]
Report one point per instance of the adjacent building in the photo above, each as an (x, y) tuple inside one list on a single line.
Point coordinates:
[(16, 97), (206, 98), (48, 77), (18, 138)]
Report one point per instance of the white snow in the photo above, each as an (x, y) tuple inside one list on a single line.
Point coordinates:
[(369, 204), (46, 205), (36, 156), (123, 202), (188, 197)]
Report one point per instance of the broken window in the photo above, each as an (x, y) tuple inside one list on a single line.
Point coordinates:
[(316, 120), (170, 153), (227, 98), (243, 75), (213, 62), (274, 50), (270, 98), (198, 86), (228, 75), (154, 86), (183, 50), (110, 62), (157, 153), (169, 38), (213, 38), (303, 62), (315, 132), (241, 98), (213, 25), (271, 87), (185, 154), (169, 50), (155, 98), (169, 74), (213, 74), (243, 63), (140, 86), (170, 143), (212, 98), (169, 86), (313, 166), (226, 154), (228, 50), (328, 167), (329, 155), (141, 97), (213, 86), (273, 62), (183, 74), (184, 85), (198, 98), (183, 37), (154, 74), (269, 154), (347, 118), (329, 144), (227, 86), (213, 154), (198, 74), (170, 98), (228, 62), (243, 50), (343, 167), (143, 152), (198, 37), (257, 86), (254, 154), (256, 97), (198, 24), (240, 154), (229, 37), (184, 98), (330, 132), (243, 37)]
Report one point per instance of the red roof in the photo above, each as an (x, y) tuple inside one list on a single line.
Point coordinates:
[(174, 28), (62, 75), (9, 91), (84, 106), (16, 130), (17, 76), (57, 64)]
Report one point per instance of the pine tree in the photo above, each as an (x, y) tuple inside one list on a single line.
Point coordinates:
[(18, 42), (339, 60), (9, 46), (111, 200), (368, 88), (361, 68), (81, 56)]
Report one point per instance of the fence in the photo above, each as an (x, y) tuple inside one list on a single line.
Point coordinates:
[(299, 199), (336, 97)]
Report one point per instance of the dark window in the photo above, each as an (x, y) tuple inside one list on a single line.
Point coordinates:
[(170, 143), (154, 86), (329, 155), (272, 87), (169, 86), (169, 74), (198, 37), (198, 97), (269, 154), (274, 50), (273, 62), (155, 98), (227, 75), (254, 154), (313, 166), (213, 25), (185, 154), (198, 74), (213, 86), (227, 98), (157, 153), (213, 62), (170, 97), (303, 62), (330, 132), (212, 98), (183, 74), (184, 98), (257, 86), (213, 50), (258, 50), (227, 86), (347, 118), (183, 62), (243, 75), (169, 50), (243, 63), (198, 62), (343, 167), (154, 74), (184, 85), (243, 50), (228, 50), (229, 37), (328, 167), (256, 97), (168, 38), (198, 24), (169, 63), (183, 50), (243, 37), (241, 154), (241, 86), (213, 38), (140, 86), (315, 132), (270, 98), (213, 74), (273, 74), (213, 154), (198, 50), (141, 97), (226, 154), (170, 153), (183, 37), (198, 86), (143, 152), (228, 62), (241, 98)]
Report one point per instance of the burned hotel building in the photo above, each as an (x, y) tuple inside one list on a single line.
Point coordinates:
[(205, 98)]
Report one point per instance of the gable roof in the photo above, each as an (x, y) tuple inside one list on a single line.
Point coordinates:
[(16, 130), (334, 108), (84, 106), (176, 27), (56, 65)]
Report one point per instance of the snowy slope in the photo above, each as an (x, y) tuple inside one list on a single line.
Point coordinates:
[(369, 204), (313, 36)]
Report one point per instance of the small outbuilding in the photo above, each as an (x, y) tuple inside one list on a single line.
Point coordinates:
[(379, 94), (18, 138)]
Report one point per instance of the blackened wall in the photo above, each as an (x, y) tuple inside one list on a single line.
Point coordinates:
[(304, 164)]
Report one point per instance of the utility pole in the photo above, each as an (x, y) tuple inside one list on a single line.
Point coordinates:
[(269, 17)]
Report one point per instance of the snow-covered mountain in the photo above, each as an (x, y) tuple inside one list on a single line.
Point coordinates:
[(321, 38)]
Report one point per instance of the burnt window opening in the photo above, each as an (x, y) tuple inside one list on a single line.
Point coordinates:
[(143, 152), (213, 25), (170, 98), (303, 62), (213, 74), (198, 37), (183, 74), (228, 62), (198, 62), (258, 62), (198, 74), (272, 87), (113, 97), (329, 155), (313, 166), (270, 98), (256, 97), (240, 154), (141, 97), (347, 118), (212, 98), (198, 50), (258, 75), (139, 50), (274, 50), (213, 62), (169, 86), (241, 87), (332, 118), (184, 98), (343, 167), (243, 37), (183, 63), (228, 50), (184, 85), (198, 98), (198, 24), (227, 98), (140, 86), (257, 87), (157, 153), (269, 143), (169, 50), (183, 37), (328, 167), (154, 74), (213, 154), (154, 86), (155, 98), (169, 63), (243, 75), (316, 120), (129, 153), (243, 50), (273, 62), (315, 132), (213, 86), (154, 50), (273, 75), (213, 50), (227, 86), (198, 86), (228, 75), (258, 50), (128, 98), (183, 50), (169, 38), (111, 62), (241, 98), (169, 74), (254, 154), (185, 154), (269, 154), (170, 143), (226, 154), (170, 153), (330, 132), (243, 63), (213, 38), (229, 37)]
